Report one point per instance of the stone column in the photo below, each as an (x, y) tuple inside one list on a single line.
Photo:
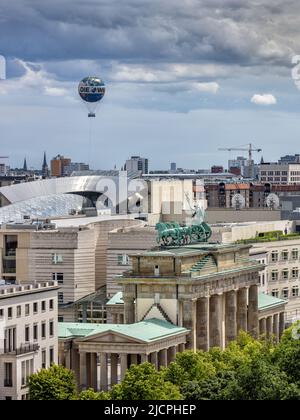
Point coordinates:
[(75, 362), (171, 354), (216, 321), (189, 322), (269, 326), (83, 370), (230, 316), (115, 318), (276, 327), (88, 370), (103, 372), (93, 374), (144, 358), (163, 358), (202, 326), (181, 347), (262, 327), (62, 357), (154, 359), (253, 311), (129, 311), (281, 323), (133, 359), (242, 309), (68, 359), (124, 365), (114, 369)]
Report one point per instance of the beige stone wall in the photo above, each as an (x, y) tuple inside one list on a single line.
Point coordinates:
[(218, 215)]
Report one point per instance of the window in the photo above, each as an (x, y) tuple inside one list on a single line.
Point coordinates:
[(295, 273), (11, 244), (43, 329), (51, 304), (27, 310), (35, 332), (27, 370), (123, 259), (59, 277), (51, 355), (57, 259), (275, 292), (262, 279), (285, 255), (43, 305), (285, 293), (1, 312), (8, 379), (9, 313), (19, 311), (295, 291), (274, 275), (27, 334), (295, 254), (35, 307), (274, 256), (51, 328), (44, 359), (60, 319), (10, 340), (60, 298), (285, 274)]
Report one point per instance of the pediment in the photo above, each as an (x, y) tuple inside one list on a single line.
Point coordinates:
[(111, 337)]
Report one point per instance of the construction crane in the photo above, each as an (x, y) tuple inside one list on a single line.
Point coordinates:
[(248, 149)]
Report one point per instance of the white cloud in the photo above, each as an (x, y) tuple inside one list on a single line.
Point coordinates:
[(264, 99), (211, 87), (55, 91)]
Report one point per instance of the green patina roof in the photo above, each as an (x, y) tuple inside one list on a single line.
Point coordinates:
[(267, 301), (147, 331), (117, 299), (192, 249)]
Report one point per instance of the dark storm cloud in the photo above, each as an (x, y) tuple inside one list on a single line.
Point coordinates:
[(222, 31)]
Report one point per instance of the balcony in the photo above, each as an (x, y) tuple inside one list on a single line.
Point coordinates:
[(23, 349)]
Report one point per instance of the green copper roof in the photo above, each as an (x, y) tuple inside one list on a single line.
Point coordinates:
[(117, 299), (147, 331), (267, 301)]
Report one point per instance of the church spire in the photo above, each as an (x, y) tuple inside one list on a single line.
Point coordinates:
[(45, 170), (25, 165)]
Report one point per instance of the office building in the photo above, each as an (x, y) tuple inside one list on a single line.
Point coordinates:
[(28, 335), (58, 165), (137, 163)]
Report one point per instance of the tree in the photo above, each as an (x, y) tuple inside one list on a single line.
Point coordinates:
[(190, 366), (55, 383), (90, 394), (287, 353), (144, 382)]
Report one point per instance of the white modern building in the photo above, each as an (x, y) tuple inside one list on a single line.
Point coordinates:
[(28, 335), (279, 173)]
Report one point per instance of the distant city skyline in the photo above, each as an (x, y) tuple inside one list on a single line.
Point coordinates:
[(183, 78)]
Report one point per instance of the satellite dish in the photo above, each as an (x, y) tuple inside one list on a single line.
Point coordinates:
[(238, 202), (272, 201)]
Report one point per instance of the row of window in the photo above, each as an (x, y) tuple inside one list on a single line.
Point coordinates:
[(276, 173), (286, 293), (27, 369), (28, 309), (285, 274), (35, 331), (285, 255)]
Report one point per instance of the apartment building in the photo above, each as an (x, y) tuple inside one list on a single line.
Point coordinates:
[(28, 335), (282, 273), (279, 173)]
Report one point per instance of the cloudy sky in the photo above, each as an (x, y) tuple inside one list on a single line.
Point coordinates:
[(183, 77)]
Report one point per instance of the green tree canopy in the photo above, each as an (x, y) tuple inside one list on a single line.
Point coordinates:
[(55, 383), (144, 382)]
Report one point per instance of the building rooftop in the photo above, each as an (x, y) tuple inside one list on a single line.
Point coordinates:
[(117, 299), (147, 331), (268, 302), (7, 291)]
